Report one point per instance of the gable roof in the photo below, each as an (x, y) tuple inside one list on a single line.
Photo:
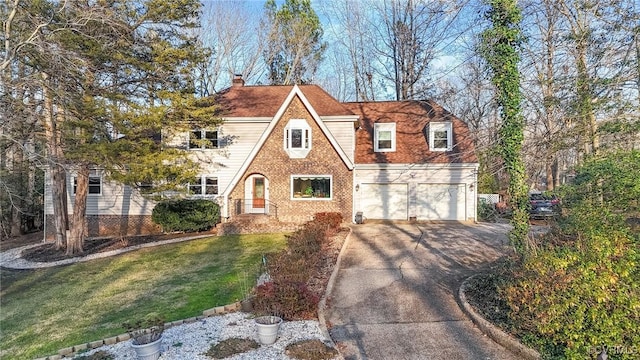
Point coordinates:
[(411, 118), (294, 91), (265, 101)]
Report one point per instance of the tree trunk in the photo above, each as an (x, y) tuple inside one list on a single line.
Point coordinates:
[(77, 233), (58, 176), (18, 196), (549, 172)]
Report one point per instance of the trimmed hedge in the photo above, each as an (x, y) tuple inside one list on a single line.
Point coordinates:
[(187, 215)]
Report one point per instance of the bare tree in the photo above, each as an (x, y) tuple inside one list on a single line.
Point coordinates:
[(411, 35), (231, 32), (351, 25)]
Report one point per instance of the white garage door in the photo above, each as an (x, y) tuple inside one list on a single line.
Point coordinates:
[(384, 201), (440, 202)]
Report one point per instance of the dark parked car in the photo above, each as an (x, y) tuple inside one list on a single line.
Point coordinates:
[(543, 206)]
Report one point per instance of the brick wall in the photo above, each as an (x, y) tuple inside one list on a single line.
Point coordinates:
[(113, 225), (274, 163)]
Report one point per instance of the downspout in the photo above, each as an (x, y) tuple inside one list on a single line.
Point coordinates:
[(353, 195), (475, 197), (225, 207)]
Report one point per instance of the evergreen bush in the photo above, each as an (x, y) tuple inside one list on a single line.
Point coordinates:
[(487, 211), (579, 293), (187, 215)]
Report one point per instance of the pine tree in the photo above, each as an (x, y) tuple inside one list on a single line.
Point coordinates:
[(113, 76)]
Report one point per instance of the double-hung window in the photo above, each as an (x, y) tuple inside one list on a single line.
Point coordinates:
[(203, 139), (297, 138), (384, 137), (95, 185), (204, 185), (440, 136)]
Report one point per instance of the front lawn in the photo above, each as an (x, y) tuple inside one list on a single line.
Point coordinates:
[(42, 311)]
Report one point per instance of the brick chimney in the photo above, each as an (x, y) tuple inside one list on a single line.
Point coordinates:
[(237, 81)]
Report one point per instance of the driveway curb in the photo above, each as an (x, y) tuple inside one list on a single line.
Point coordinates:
[(332, 279), (493, 331)]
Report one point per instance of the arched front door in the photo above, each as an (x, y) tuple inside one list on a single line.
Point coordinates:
[(256, 194)]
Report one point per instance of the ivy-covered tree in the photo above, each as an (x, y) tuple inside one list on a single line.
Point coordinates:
[(500, 50), (293, 37), (112, 76)]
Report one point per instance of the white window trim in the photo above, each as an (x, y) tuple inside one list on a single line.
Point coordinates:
[(74, 180), (203, 186), (441, 126), (203, 134), (307, 137), (291, 193), (384, 127)]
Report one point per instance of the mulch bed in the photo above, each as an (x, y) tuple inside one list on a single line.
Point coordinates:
[(48, 253), (318, 283)]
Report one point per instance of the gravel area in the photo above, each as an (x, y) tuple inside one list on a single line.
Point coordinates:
[(191, 341)]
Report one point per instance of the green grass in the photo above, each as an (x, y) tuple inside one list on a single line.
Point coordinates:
[(42, 311)]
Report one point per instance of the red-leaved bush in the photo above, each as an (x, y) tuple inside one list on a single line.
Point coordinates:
[(287, 294)]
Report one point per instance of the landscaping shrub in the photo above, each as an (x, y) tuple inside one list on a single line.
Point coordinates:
[(287, 294), (289, 266), (332, 220), (580, 292), (486, 211), (186, 215), (290, 300)]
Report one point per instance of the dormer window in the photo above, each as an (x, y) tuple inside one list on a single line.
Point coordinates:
[(440, 136), (203, 139), (297, 138), (384, 137)]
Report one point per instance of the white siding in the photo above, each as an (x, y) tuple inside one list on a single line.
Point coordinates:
[(239, 138), (116, 199), (344, 133)]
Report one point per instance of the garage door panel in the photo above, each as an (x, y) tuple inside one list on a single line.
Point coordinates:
[(384, 201), (440, 202)]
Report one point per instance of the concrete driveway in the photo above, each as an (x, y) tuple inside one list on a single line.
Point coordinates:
[(394, 296)]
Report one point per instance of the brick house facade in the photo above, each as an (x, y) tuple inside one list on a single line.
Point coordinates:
[(273, 162), (389, 160)]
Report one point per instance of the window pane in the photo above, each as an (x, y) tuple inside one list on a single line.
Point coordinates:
[(312, 187), (384, 135), (384, 144), (212, 186), (212, 136), (193, 139), (195, 187), (441, 135), (384, 139), (296, 138), (440, 140), (94, 185)]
